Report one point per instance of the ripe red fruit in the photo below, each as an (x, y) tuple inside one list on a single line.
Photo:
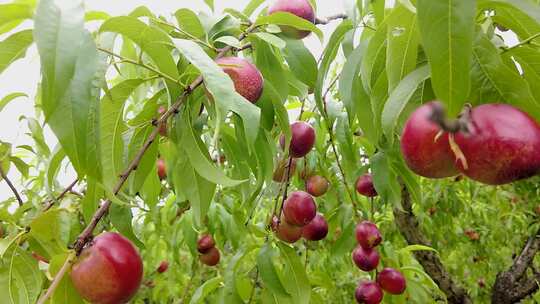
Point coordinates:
[(109, 271), (302, 140), (247, 79), (163, 126), (364, 185), (205, 243), (299, 208), (368, 292), (504, 145), (163, 266), (316, 230), (287, 232), (368, 235), (211, 257), (317, 185), (161, 169), (472, 235), (426, 152), (366, 259), (280, 174), (300, 8), (392, 281)]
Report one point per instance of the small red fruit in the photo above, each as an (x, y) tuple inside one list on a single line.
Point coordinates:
[(425, 150), (247, 79), (317, 185), (368, 292), (205, 243), (109, 271), (366, 259), (299, 208), (287, 232), (302, 140), (161, 169), (163, 266), (300, 8), (368, 235), (364, 185), (316, 230), (211, 257), (504, 145), (392, 281)]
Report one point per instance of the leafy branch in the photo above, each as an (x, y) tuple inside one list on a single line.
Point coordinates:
[(60, 196)]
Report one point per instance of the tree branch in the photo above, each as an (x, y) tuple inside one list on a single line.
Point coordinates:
[(410, 229), (513, 285), (13, 189), (330, 18), (60, 196), (86, 235)]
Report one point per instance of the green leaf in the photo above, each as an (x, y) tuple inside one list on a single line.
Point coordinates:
[(271, 67), (529, 59), (148, 162), (189, 22), (495, 79), (221, 87), (510, 16), (348, 80), (153, 41), (252, 6), (447, 30), (402, 49), (268, 271), (96, 15), (121, 218), (70, 66), (374, 60), (385, 180), (229, 40), (91, 199), (20, 278), (14, 47), (301, 61), (205, 289), (399, 98), (11, 15), (210, 4), (345, 242), (229, 293), (416, 247), (21, 166), (525, 6), (65, 292), (113, 128), (10, 97), (52, 231), (288, 19), (271, 39), (54, 165), (329, 55), (296, 280)]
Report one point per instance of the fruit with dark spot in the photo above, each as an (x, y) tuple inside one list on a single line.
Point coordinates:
[(299, 208), (368, 235), (109, 271), (425, 148), (287, 232), (316, 230), (364, 185), (205, 243), (302, 139), (211, 257), (163, 266), (300, 8), (247, 79), (317, 185), (504, 145), (392, 281), (280, 174), (366, 259), (161, 169), (368, 292)]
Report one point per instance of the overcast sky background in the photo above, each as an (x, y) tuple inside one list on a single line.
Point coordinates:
[(23, 75)]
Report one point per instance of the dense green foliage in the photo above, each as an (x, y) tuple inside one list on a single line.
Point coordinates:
[(100, 93)]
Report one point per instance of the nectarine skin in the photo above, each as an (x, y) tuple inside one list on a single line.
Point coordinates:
[(426, 152), (504, 145), (392, 281), (247, 79), (368, 235), (366, 259), (109, 271), (302, 140), (316, 230), (300, 8), (368, 292), (299, 208), (364, 185), (317, 185)]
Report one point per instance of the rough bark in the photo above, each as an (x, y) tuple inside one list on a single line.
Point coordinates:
[(410, 229)]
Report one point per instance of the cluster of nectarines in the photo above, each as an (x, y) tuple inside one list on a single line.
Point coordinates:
[(207, 248)]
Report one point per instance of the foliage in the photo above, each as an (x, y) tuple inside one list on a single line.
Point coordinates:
[(100, 92)]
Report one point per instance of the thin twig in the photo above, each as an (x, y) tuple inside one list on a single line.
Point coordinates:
[(141, 64), (330, 18), (85, 236), (287, 183), (13, 189), (61, 195), (522, 43), (186, 33), (254, 286), (57, 278)]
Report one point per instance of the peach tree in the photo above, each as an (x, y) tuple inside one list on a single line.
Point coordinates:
[(218, 160)]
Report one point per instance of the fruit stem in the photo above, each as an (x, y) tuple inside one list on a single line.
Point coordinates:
[(461, 124), (57, 278), (287, 182)]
